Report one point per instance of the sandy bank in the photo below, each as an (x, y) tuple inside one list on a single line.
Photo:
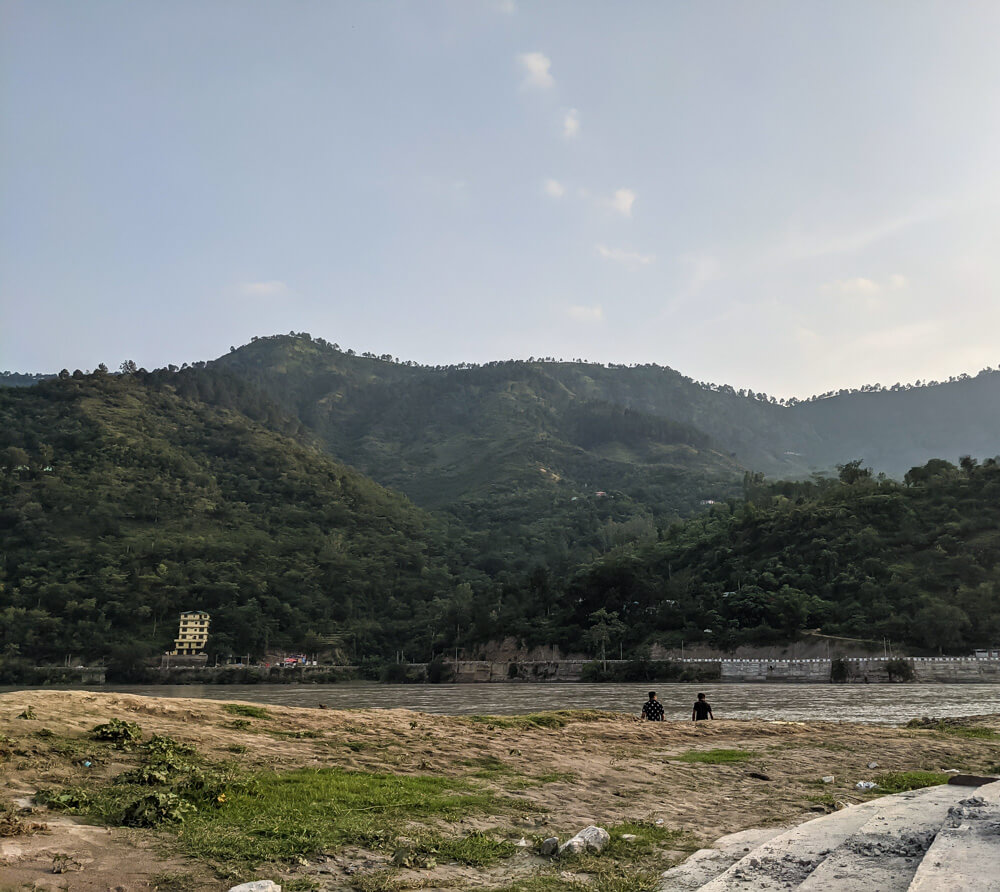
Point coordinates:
[(591, 768)]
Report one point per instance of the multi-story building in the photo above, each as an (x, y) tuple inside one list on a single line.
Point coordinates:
[(193, 633)]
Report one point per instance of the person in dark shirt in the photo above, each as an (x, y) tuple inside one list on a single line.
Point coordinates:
[(652, 709), (702, 709)]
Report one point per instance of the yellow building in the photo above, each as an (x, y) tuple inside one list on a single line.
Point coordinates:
[(192, 635)]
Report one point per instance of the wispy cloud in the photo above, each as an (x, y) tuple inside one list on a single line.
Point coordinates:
[(861, 286), (271, 288), (536, 70), (630, 259), (622, 201), (586, 314), (553, 188), (571, 124)]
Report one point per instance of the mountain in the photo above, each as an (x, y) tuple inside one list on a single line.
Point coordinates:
[(123, 501), (894, 430), (543, 459)]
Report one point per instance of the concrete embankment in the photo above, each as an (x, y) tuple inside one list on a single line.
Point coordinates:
[(866, 670)]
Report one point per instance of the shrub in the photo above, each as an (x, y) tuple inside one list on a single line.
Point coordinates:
[(118, 732)]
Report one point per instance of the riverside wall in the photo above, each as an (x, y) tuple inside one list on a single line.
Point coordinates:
[(857, 670), (853, 670)]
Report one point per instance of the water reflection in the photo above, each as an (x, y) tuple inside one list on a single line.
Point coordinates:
[(883, 704)]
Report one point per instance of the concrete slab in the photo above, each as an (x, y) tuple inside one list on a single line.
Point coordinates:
[(886, 850), (785, 861), (706, 864), (965, 855)]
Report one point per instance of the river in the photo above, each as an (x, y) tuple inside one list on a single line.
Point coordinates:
[(881, 704)]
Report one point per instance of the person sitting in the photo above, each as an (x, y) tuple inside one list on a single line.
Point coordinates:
[(652, 709), (702, 709)]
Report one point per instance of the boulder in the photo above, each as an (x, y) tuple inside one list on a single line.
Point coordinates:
[(257, 886), (590, 839), (549, 846)]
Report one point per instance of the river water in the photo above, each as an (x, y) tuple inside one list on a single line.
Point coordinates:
[(881, 704)]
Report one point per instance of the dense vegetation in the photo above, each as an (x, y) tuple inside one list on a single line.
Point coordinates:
[(123, 502), (552, 502), (861, 556)]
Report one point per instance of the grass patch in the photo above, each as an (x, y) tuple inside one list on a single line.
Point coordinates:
[(298, 813), (715, 757), (244, 709), (475, 849), (557, 719), (901, 781)]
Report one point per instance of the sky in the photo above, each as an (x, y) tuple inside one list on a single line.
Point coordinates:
[(788, 196)]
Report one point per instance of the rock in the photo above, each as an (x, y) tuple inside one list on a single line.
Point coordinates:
[(590, 839), (549, 846), (257, 886), (828, 779), (522, 843), (865, 785), (629, 837), (873, 764), (574, 846)]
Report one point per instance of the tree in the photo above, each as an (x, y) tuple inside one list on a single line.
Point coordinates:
[(604, 626), (852, 472)]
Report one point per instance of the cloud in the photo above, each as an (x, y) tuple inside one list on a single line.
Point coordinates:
[(507, 7), (536, 70), (554, 189), (586, 314), (623, 201), (630, 259), (863, 287), (571, 124), (270, 288)]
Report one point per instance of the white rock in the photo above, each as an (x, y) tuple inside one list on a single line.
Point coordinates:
[(873, 764), (590, 839), (522, 843), (257, 886), (629, 837), (865, 785), (828, 779), (574, 846)]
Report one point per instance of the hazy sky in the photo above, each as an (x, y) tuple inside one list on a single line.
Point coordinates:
[(788, 196)]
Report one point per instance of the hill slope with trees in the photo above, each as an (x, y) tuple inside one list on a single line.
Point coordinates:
[(123, 502), (917, 563)]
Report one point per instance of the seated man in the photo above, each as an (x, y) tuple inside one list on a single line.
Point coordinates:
[(652, 709)]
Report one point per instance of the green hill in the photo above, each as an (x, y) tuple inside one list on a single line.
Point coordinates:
[(916, 562), (123, 502), (517, 451)]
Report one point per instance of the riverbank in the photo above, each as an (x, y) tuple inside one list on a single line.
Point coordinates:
[(847, 670), (418, 801)]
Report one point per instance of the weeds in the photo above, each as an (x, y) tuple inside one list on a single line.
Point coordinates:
[(118, 733), (901, 781)]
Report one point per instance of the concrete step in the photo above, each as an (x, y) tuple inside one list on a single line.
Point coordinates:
[(965, 854), (885, 852), (785, 861), (706, 864)]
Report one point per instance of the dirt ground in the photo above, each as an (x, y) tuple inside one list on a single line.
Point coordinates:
[(615, 769)]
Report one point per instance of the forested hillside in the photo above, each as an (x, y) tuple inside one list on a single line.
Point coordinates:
[(123, 502), (509, 450), (548, 492), (916, 562)]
